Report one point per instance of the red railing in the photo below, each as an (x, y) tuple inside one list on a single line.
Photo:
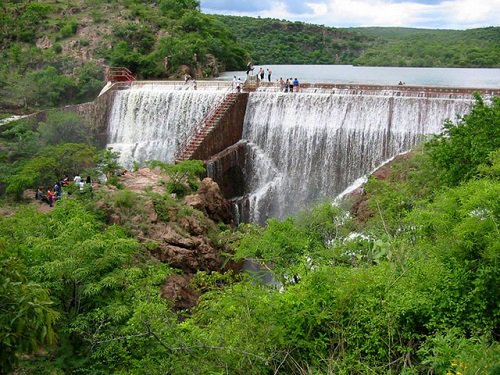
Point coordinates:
[(119, 74)]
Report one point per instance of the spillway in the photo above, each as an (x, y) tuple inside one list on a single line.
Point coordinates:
[(150, 122), (300, 148), (308, 147)]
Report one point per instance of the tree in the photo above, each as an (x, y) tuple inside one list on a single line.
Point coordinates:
[(64, 127), (27, 316), (183, 176), (49, 166), (107, 162), (465, 145)]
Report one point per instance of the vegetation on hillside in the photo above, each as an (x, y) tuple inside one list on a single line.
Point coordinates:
[(475, 48), (54, 52), (412, 288), (273, 41)]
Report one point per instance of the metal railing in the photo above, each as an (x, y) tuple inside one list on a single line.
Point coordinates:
[(119, 74)]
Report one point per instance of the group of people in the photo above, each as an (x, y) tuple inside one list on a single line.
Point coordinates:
[(51, 195), (290, 85), (261, 74), (237, 84)]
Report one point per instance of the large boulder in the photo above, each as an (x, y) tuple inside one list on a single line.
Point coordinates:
[(211, 202), (177, 289)]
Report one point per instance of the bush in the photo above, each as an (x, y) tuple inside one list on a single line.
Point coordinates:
[(68, 29), (464, 146)]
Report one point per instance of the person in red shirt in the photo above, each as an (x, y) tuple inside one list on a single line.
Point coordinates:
[(51, 197)]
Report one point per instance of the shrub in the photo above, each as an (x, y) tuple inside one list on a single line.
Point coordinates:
[(464, 146)]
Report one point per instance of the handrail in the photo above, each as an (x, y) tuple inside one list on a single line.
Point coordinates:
[(118, 73), (200, 125)]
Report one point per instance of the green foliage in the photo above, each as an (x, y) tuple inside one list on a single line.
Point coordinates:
[(183, 176), (68, 28), (162, 206), (452, 353), (107, 162), (49, 165), (63, 127), (176, 8), (90, 81), (462, 147), (272, 41), (105, 292), (425, 47), (27, 317), (281, 245), (50, 87)]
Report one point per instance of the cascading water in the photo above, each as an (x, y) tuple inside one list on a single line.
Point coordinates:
[(310, 146), (150, 122)]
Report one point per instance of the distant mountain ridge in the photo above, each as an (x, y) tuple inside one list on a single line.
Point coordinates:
[(273, 41)]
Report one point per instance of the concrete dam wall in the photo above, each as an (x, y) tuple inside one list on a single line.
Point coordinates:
[(273, 152)]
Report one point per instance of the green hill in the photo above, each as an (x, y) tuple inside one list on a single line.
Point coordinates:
[(272, 41), (475, 48), (53, 52)]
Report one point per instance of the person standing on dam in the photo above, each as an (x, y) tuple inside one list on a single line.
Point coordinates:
[(296, 85)]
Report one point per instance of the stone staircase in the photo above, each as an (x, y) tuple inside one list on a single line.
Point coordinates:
[(204, 127)]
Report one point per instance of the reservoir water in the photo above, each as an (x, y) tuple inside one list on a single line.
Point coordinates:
[(347, 74)]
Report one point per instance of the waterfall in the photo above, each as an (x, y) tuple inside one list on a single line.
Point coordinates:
[(309, 147), (150, 122)]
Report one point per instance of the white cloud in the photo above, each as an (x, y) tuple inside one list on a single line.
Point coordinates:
[(456, 14)]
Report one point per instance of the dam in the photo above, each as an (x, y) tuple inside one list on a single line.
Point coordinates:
[(272, 152)]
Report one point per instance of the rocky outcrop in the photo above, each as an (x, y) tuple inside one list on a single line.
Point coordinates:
[(211, 202), (181, 234), (177, 289)]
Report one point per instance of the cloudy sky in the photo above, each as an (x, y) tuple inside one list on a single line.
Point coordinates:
[(442, 14)]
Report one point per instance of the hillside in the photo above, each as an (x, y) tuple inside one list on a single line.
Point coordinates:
[(54, 52), (475, 48), (272, 41)]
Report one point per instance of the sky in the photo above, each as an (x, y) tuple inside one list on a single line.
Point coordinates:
[(433, 14)]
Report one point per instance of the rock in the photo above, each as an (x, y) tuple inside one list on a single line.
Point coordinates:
[(211, 62), (209, 200), (195, 202), (177, 289), (141, 179), (191, 225), (44, 42), (151, 212), (114, 219), (203, 257)]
